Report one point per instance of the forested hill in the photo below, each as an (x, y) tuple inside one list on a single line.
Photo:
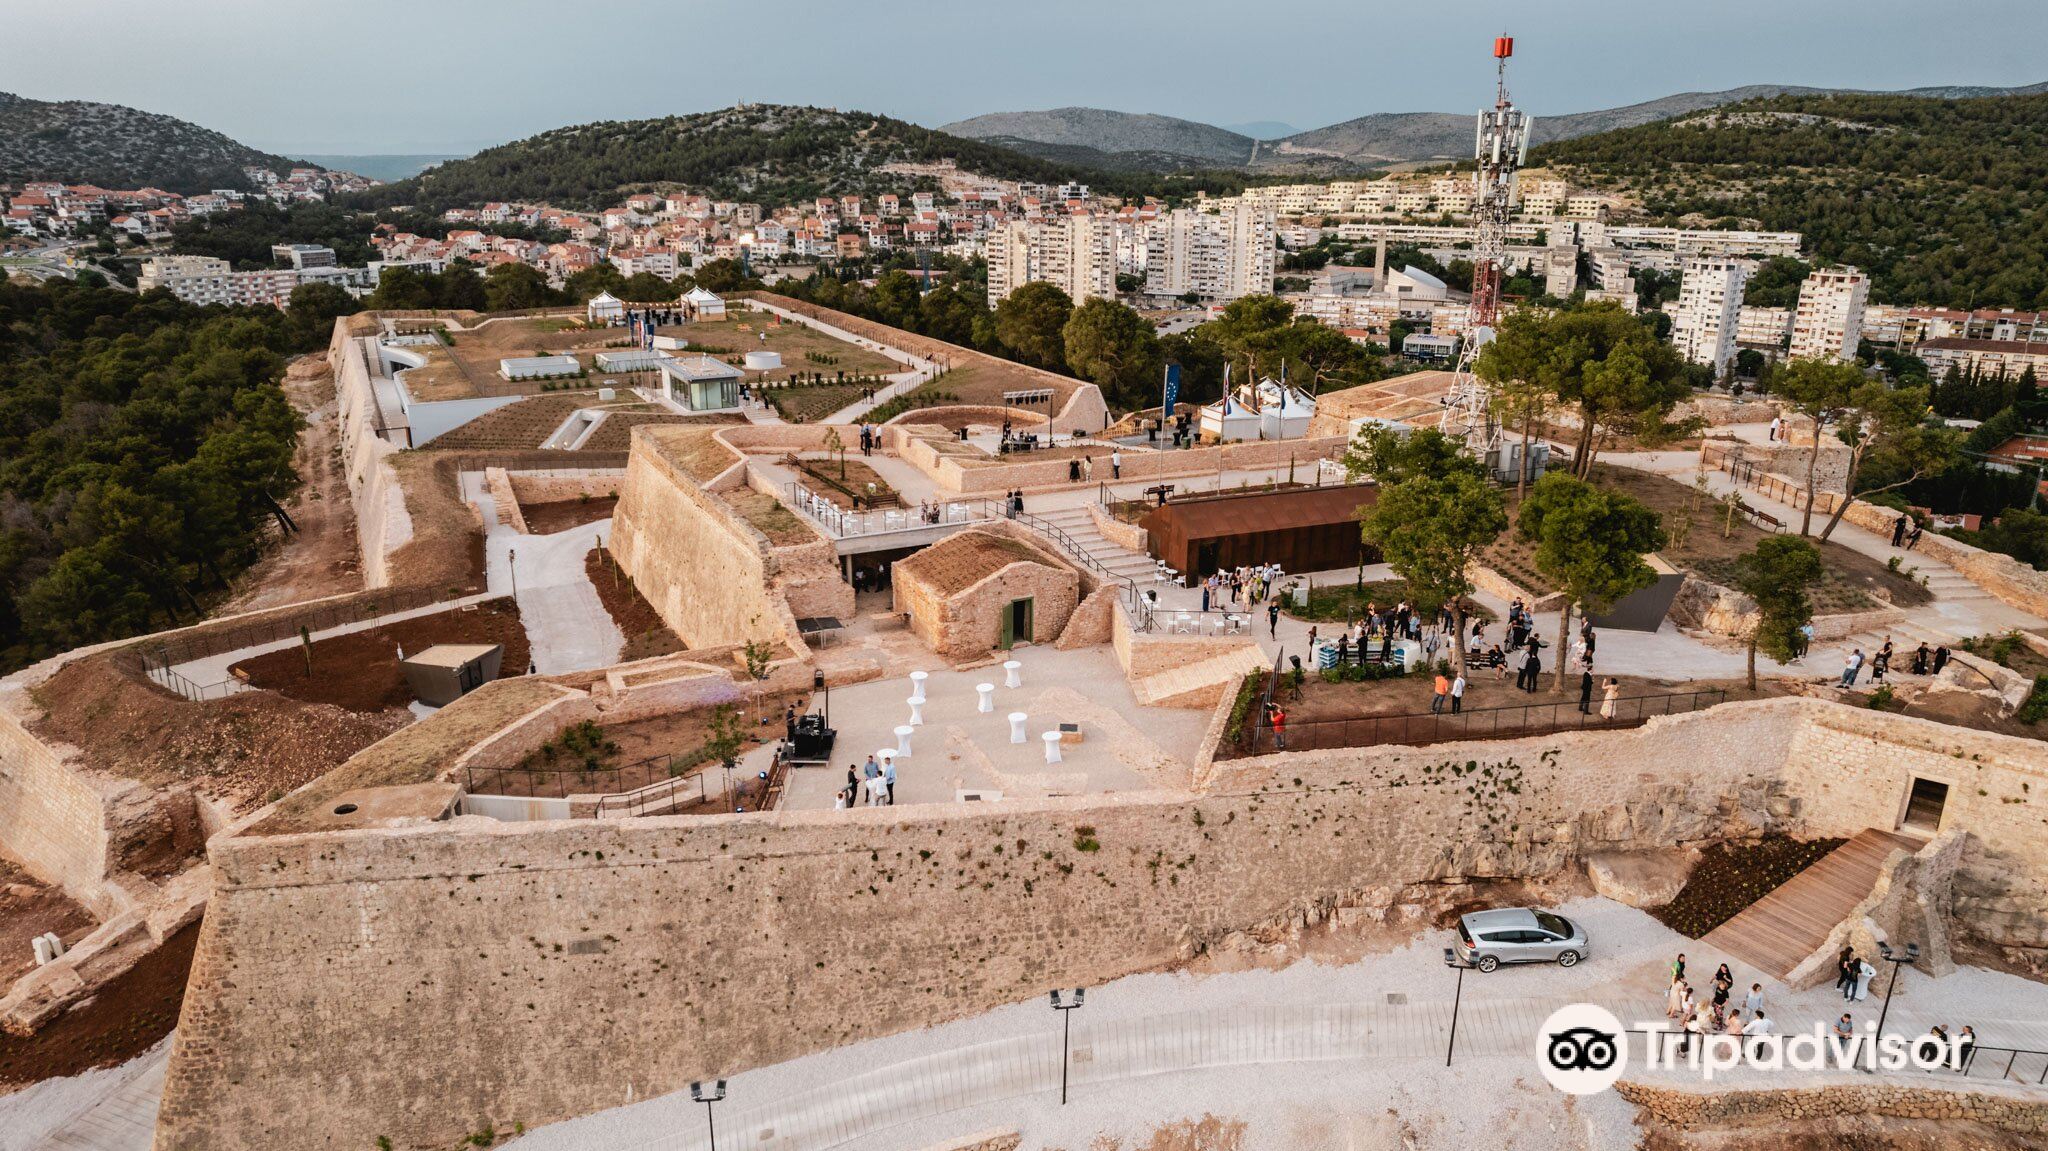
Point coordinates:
[(113, 146), (769, 154), (1942, 201), (144, 444)]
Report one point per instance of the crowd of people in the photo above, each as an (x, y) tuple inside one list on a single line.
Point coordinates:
[(1713, 1010), (1926, 661)]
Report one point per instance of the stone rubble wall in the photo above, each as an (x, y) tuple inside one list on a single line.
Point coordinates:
[(1690, 1108), (626, 950), (382, 524)]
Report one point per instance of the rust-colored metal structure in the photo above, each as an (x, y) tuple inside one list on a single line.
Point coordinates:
[(1301, 529)]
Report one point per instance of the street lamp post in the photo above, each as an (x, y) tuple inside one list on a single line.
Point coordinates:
[(512, 565), (1063, 1002), (1897, 960), (1451, 960), (707, 1095)]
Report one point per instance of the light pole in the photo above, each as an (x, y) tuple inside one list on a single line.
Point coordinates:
[(1451, 960), (1897, 960), (1063, 1002), (707, 1096), (512, 565)]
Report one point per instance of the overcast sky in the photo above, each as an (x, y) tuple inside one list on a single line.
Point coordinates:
[(358, 76)]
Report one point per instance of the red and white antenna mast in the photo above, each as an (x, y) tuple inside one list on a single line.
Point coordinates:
[(1501, 148)]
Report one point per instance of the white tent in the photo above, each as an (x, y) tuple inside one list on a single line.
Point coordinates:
[(1228, 420), (604, 308), (703, 305), (1286, 415)]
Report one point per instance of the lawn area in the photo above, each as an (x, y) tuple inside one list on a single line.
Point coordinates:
[(471, 360), (772, 517), (1703, 542), (983, 380), (812, 402), (734, 336), (848, 483)]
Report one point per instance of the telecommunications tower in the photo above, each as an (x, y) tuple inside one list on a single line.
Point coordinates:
[(1502, 148)]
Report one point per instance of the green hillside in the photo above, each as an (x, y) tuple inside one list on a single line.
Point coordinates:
[(1942, 201), (769, 154)]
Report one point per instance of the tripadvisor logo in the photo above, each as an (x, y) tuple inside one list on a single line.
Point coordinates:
[(1582, 1049)]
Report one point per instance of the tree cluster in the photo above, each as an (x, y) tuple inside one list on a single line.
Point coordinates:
[(144, 448)]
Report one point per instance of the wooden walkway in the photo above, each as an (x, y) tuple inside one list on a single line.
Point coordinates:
[(1782, 929)]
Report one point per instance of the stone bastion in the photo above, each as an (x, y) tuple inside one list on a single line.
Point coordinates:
[(422, 980)]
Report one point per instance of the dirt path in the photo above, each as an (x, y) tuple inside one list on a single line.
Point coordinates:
[(321, 559)]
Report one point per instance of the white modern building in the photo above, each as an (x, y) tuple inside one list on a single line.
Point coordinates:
[(1828, 323), (1708, 312), (1218, 256), (1076, 254)]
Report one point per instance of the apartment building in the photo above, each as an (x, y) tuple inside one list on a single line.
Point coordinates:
[(1985, 357), (1764, 329), (1707, 314), (1076, 254), (1828, 324), (211, 280), (1707, 241), (1543, 198), (1560, 270), (1217, 256)]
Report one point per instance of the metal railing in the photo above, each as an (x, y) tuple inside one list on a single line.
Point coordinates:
[(545, 782), (1073, 548), (1416, 729), (840, 523)]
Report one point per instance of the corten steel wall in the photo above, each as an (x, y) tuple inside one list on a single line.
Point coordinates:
[(1261, 528), (434, 978)]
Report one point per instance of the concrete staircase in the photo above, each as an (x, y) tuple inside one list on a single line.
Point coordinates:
[(1079, 526), (1200, 684)]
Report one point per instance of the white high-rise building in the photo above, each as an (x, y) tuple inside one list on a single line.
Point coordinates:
[(1217, 256), (1708, 314), (1076, 254), (1828, 324)]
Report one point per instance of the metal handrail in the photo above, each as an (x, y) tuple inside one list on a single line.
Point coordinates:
[(1416, 729), (560, 775), (1071, 546)]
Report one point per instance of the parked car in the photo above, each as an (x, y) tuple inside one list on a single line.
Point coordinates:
[(1487, 939)]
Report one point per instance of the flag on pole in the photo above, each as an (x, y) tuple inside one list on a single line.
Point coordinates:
[(1172, 391)]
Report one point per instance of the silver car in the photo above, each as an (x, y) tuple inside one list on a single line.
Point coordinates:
[(1487, 939)]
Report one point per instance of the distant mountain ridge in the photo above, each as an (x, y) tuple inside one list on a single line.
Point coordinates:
[(1124, 141), (114, 146), (380, 165), (1104, 131)]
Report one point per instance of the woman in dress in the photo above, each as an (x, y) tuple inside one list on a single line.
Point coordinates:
[(1674, 1000), (1607, 697)]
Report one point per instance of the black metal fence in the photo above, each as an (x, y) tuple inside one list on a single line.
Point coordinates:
[(1421, 728), (159, 655), (547, 781)]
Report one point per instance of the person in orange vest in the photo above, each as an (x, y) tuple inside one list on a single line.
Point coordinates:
[(1442, 688), (1278, 719)]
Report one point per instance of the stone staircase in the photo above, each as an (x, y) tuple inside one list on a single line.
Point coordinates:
[(1200, 684), (1079, 526)]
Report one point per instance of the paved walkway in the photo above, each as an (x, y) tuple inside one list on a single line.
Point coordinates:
[(567, 626), (921, 371), (111, 1109)]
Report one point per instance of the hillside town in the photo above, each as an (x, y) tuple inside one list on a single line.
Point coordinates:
[(1058, 656)]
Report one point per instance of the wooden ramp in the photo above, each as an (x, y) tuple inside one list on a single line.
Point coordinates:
[(1779, 931)]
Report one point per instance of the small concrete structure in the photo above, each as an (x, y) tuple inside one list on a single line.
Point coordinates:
[(446, 672), (538, 367), (976, 592), (763, 361), (630, 360)]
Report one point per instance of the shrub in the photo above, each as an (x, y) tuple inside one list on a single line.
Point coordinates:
[(1247, 694), (2035, 706)]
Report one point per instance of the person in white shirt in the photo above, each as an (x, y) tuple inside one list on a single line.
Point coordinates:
[(1753, 1003), (1458, 693)]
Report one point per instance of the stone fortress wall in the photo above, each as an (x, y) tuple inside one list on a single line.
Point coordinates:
[(436, 977)]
